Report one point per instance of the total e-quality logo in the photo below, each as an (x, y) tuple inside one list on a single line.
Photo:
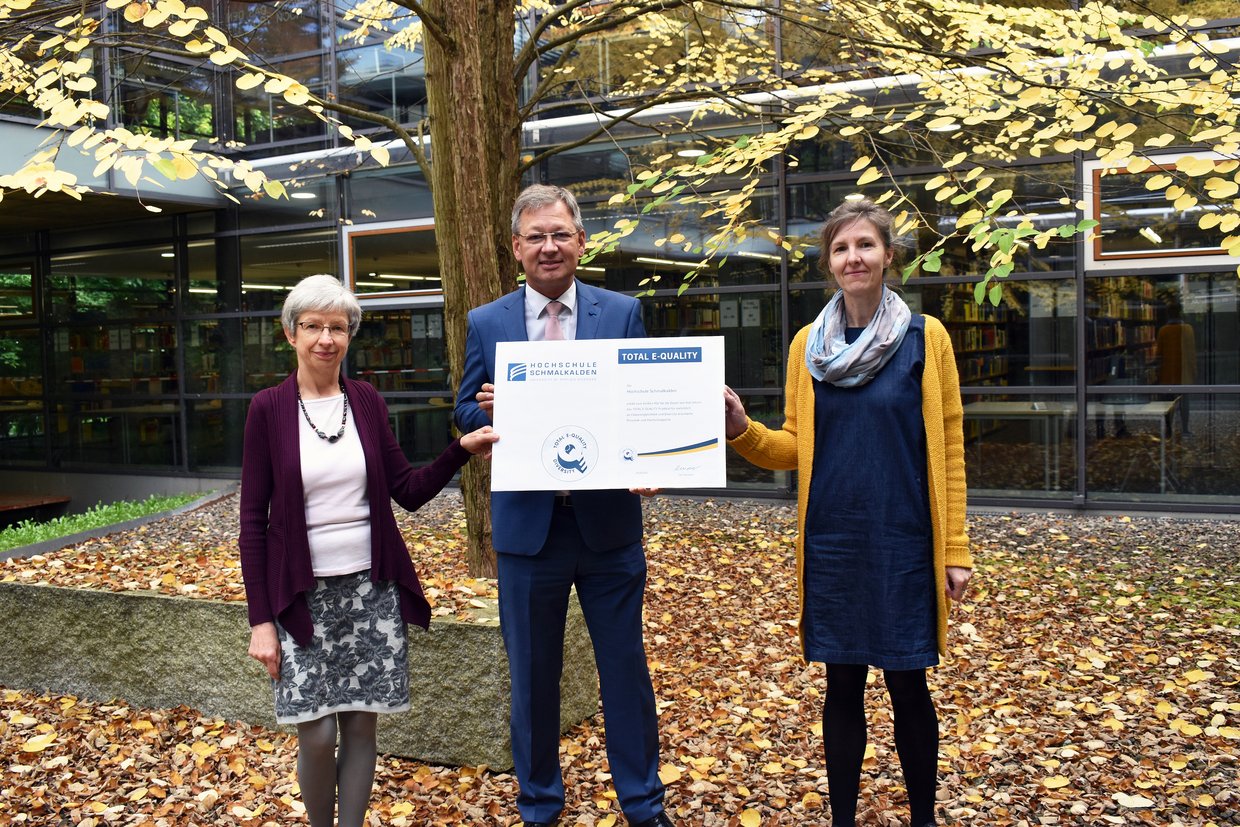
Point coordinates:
[(569, 453)]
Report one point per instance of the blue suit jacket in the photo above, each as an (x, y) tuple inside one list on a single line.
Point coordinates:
[(520, 519)]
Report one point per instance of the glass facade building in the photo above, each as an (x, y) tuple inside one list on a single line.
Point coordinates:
[(1104, 377)]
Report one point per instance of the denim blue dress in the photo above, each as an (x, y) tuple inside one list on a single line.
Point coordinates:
[(869, 577)]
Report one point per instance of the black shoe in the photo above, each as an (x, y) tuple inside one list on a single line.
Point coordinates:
[(661, 820), (539, 823)]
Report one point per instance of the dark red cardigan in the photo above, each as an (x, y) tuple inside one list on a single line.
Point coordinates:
[(275, 549)]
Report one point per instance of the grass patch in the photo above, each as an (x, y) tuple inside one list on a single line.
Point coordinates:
[(29, 532)]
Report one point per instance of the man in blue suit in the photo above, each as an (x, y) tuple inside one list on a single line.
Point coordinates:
[(547, 542)]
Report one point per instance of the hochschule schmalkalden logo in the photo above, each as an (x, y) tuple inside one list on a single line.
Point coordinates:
[(569, 453), (517, 371)]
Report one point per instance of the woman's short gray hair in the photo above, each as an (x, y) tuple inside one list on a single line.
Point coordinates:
[(320, 294), (537, 196)]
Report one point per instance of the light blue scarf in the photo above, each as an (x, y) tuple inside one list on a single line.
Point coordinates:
[(831, 359)]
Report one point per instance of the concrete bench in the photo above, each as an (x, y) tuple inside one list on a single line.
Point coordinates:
[(159, 651)]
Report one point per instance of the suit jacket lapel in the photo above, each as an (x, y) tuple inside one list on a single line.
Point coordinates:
[(589, 310), (514, 316)]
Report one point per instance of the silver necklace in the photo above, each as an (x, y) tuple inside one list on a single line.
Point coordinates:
[(313, 427)]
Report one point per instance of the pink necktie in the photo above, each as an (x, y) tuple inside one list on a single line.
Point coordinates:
[(552, 331)]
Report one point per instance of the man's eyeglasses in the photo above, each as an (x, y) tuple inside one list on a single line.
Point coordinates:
[(539, 239), (316, 330)]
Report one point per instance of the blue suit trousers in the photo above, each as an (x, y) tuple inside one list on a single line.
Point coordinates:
[(533, 603)]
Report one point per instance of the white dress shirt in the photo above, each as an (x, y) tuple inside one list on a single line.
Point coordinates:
[(536, 313)]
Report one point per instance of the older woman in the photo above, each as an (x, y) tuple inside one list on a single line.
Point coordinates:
[(327, 575), (873, 425)]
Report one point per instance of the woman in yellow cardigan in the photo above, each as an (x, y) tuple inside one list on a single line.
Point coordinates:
[(873, 425)]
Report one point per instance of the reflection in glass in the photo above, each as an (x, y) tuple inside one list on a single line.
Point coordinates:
[(271, 265), (389, 195), (668, 245), (267, 356), (1164, 447), (212, 350), (16, 290), (1176, 329), (273, 30), (748, 322), (215, 429), (1027, 339), (1037, 194), (111, 433), (742, 475), (423, 427), (261, 117), (21, 362), (165, 98), (401, 350), (1138, 223), (120, 358), (387, 81), (1020, 446), (214, 282), (22, 433), (394, 260), (108, 284)]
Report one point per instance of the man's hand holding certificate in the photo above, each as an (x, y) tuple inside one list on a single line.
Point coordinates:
[(609, 413)]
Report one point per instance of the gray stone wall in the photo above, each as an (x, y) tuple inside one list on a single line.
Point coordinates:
[(160, 651)]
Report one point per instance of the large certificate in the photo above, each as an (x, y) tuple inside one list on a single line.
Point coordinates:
[(609, 413)]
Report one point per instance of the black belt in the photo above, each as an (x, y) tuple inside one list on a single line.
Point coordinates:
[(564, 500)]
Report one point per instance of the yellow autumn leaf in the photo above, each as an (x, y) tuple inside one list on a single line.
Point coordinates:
[(1194, 166), (249, 81), (607, 820), (861, 163), (39, 742), (1131, 801), (751, 818), (1195, 676), (1055, 782), (1185, 728), (871, 174), (669, 773)]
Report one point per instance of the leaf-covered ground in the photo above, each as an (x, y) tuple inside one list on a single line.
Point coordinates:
[(1094, 679)]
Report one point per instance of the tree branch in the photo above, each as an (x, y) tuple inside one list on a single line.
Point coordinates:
[(435, 27)]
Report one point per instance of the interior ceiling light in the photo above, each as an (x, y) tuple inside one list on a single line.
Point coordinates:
[(691, 151), (303, 194)]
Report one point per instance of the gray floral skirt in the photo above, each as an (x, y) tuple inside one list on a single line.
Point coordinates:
[(358, 659)]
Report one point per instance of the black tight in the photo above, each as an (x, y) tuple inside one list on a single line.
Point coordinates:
[(844, 739), (329, 777)]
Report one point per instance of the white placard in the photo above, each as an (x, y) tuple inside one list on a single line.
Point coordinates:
[(609, 413), (751, 312)]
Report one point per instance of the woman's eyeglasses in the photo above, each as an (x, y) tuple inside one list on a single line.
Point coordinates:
[(316, 330)]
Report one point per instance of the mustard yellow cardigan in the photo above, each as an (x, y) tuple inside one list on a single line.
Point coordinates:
[(792, 447)]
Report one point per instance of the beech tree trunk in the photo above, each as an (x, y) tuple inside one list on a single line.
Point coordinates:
[(474, 130)]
